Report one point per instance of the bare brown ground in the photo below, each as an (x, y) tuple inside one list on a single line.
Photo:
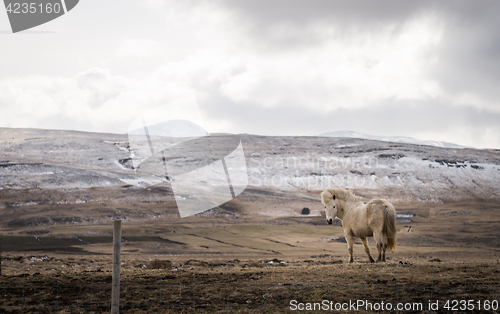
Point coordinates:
[(221, 262), (244, 286)]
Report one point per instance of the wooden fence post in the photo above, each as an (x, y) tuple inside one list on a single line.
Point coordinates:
[(115, 291)]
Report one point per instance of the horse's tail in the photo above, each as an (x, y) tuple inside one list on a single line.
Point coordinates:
[(389, 229)]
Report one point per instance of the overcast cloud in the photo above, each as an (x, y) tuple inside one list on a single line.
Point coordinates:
[(424, 69)]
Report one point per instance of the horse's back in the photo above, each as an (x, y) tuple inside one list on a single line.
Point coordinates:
[(379, 204), (376, 210)]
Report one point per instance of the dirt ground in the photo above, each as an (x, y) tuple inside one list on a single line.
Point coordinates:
[(244, 286)]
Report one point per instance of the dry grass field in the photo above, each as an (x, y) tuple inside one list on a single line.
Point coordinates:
[(242, 265)]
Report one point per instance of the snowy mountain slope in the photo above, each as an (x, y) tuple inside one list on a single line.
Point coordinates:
[(398, 171), (45, 159), (395, 139)]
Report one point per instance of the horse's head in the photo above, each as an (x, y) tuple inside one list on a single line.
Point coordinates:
[(330, 203), (331, 212)]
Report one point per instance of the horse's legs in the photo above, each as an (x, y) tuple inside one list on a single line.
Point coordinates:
[(378, 240), (383, 245), (350, 243), (367, 249)]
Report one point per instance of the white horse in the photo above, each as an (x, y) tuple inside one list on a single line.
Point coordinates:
[(377, 219)]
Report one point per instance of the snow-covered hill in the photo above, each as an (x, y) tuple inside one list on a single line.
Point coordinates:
[(398, 171), (395, 139), (62, 160)]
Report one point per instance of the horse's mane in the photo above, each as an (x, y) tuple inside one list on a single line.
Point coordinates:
[(342, 194)]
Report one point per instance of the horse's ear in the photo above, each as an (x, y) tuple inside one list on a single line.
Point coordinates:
[(333, 196)]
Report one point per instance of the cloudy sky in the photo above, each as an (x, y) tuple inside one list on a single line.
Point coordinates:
[(424, 69)]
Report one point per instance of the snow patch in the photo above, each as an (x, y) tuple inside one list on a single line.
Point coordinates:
[(121, 166), (143, 182)]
